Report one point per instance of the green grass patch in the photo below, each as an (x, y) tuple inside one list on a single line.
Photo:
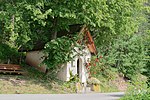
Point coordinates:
[(34, 82), (141, 95)]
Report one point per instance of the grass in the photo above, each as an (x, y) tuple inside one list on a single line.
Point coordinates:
[(111, 84), (138, 89), (34, 82), (24, 86), (106, 86), (142, 95)]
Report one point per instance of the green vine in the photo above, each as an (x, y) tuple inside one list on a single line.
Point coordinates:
[(59, 51)]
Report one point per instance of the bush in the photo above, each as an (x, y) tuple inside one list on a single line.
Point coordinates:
[(142, 95), (93, 80), (8, 54), (98, 68), (127, 54), (102, 74), (147, 44)]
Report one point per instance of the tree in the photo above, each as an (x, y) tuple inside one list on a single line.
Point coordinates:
[(31, 18), (26, 22)]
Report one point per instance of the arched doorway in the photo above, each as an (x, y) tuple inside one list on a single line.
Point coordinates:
[(79, 68)]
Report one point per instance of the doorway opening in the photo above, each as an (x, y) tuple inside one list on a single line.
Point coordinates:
[(79, 68)]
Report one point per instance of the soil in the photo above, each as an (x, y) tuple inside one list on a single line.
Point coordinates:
[(120, 83)]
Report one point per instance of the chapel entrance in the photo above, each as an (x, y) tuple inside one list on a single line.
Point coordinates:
[(79, 68)]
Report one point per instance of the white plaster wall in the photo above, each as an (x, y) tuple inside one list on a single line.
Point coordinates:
[(73, 66), (86, 57), (34, 58), (62, 74), (68, 70)]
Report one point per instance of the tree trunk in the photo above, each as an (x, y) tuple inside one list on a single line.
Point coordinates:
[(54, 35), (54, 31)]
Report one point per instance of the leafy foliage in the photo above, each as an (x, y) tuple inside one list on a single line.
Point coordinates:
[(7, 54), (137, 95), (147, 67), (99, 67), (28, 22), (141, 96), (59, 51), (23, 21), (94, 81), (147, 44), (127, 54)]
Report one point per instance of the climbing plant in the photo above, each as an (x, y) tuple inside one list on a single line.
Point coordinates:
[(59, 51)]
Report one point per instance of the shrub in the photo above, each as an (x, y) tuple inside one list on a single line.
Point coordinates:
[(142, 95), (93, 80), (8, 54), (147, 44), (98, 67), (138, 90), (127, 54)]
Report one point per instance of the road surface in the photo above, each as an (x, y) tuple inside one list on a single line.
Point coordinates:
[(88, 96)]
